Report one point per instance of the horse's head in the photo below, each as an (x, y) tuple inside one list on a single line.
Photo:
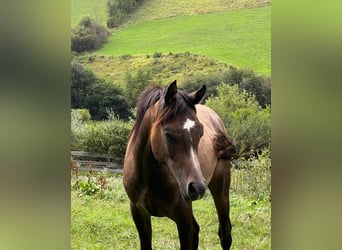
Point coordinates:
[(175, 138)]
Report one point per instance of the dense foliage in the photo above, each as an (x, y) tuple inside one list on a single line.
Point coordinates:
[(258, 85), (248, 123), (88, 35), (81, 81), (117, 9), (96, 95), (135, 84), (109, 136)]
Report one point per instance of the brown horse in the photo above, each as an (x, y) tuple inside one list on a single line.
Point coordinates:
[(176, 149)]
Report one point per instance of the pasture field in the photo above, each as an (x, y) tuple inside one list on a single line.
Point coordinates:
[(241, 38), (233, 32), (103, 221), (157, 9)]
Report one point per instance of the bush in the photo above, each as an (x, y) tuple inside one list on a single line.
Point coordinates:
[(88, 35), (245, 120), (109, 136), (259, 86), (157, 54)]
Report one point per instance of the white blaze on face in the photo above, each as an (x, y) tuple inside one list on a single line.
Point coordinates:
[(188, 124)]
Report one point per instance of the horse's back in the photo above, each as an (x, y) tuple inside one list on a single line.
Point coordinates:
[(207, 152)]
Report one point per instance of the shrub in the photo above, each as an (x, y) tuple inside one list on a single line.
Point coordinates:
[(259, 86), (108, 136), (83, 114), (157, 54), (88, 35), (245, 120)]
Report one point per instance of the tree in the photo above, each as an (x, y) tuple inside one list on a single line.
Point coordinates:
[(103, 97), (96, 95), (81, 80)]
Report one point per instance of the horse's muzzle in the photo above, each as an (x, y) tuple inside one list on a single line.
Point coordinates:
[(196, 191)]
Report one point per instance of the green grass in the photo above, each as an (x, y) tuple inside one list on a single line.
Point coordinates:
[(158, 9), (164, 69), (103, 220), (96, 9), (240, 38)]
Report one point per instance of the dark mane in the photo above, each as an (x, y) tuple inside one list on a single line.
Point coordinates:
[(147, 99)]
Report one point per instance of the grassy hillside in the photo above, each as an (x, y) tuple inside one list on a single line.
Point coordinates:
[(96, 9), (164, 68), (157, 9), (241, 38)]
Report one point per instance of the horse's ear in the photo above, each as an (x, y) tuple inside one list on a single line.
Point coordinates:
[(170, 92), (197, 95)]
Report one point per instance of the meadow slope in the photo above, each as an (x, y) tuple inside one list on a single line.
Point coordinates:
[(157, 9), (241, 38)]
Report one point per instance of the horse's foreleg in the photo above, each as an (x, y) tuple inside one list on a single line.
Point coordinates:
[(219, 188), (143, 224), (188, 228), (195, 234)]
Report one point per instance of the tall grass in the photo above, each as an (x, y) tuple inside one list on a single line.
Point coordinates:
[(252, 177)]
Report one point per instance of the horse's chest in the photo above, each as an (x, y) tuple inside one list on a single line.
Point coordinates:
[(156, 202)]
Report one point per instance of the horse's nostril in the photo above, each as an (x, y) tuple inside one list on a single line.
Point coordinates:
[(195, 190)]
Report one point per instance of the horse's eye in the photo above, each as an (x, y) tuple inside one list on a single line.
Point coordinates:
[(169, 136)]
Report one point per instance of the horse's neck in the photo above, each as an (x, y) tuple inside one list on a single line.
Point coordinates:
[(144, 159)]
